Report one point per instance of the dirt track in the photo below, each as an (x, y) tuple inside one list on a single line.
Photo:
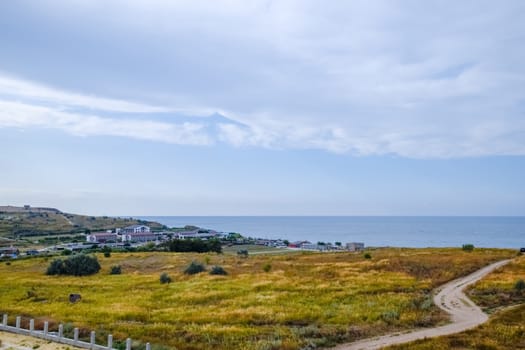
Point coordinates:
[(450, 298)]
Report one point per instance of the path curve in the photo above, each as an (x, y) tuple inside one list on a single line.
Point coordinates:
[(450, 298)]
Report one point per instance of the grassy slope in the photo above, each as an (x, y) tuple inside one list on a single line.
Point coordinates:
[(506, 328), (33, 222), (304, 298)]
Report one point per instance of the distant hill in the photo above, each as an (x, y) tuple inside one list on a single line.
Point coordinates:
[(38, 221)]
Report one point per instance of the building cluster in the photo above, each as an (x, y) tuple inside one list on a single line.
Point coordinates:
[(10, 252), (321, 246), (143, 233)]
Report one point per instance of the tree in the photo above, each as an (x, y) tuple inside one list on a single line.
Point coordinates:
[(76, 265), (194, 245), (468, 247)]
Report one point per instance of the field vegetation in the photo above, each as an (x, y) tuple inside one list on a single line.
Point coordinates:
[(499, 294), (304, 300)]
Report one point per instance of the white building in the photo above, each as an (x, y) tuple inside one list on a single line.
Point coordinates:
[(136, 229), (140, 237), (198, 234)]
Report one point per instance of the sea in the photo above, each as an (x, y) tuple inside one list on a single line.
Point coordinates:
[(374, 231)]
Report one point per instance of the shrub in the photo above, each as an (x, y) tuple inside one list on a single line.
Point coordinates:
[(107, 251), (267, 267), (367, 256), (519, 286), (243, 253), (165, 278), (55, 268), (194, 268), (66, 252), (115, 270), (468, 247), (390, 316), (218, 270), (76, 265)]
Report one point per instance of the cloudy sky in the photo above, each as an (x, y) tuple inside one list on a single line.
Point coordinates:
[(263, 107)]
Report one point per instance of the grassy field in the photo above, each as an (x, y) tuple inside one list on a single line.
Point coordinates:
[(280, 301), (506, 328)]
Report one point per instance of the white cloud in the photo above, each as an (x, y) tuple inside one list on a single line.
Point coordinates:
[(361, 78), (20, 115)]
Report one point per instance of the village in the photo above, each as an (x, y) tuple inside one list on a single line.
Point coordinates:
[(137, 236)]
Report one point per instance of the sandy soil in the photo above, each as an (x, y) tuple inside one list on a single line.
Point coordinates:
[(450, 298), (22, 342)]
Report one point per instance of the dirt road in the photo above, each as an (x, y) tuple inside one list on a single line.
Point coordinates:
[(450, 298)]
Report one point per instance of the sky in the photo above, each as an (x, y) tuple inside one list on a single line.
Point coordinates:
[(258, 107)]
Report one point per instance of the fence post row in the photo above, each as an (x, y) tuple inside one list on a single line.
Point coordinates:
[(59, 337)]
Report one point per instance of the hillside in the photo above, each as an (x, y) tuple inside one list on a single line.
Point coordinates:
[(33, 221)]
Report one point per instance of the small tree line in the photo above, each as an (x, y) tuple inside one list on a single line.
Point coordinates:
[(193, 245)]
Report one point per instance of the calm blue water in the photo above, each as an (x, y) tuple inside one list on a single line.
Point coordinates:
[(498, 232)]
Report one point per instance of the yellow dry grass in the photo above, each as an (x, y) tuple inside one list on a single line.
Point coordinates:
[(317, 298)]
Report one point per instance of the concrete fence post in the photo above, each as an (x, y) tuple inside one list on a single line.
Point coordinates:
[(92, 339), (128, 344), (18, 320), (110, 342), (75, 335), (148, 346), (4, 320), (46, 328), (60, 330), (31, 326)]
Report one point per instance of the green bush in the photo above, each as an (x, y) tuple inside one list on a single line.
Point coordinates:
[(115, 270), (267, 267), (367, 256), (243, 253), (194, 268), (76, 265), (468, 247), (519, 286), (218, 270), (165, 278)]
